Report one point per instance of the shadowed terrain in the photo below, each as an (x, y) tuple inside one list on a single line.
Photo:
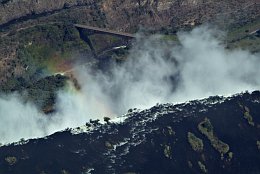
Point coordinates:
[(40, 47), (157, 140)]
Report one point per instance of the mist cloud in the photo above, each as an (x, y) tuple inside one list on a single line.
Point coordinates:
[(156, 71)]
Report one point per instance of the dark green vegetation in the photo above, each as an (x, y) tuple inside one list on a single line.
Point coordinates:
[(248, 117), (42, 43), (206, 128), (11, 160), (36, 39), (36, 55), (202, 167), (258, 144), (30, 46), (230, 155), (167, 151), (108, 145), (195, 142), (242, 36), (144, 142), (34, 35), (43, 92)]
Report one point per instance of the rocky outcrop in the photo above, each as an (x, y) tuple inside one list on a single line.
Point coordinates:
[(128, 14), (177, 14), (149, 141), (15, 9), (30, 28)]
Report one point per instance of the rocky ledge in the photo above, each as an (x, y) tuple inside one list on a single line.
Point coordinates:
[(213, 135)]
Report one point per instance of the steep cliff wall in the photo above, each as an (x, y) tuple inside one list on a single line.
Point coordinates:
[(15, 9), (40, 30)]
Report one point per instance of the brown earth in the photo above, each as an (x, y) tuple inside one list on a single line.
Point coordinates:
[(46, 25)]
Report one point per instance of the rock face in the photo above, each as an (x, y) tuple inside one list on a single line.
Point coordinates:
[(157, 140), (35, 32), (167, 138), (15, 9), (125, 14)]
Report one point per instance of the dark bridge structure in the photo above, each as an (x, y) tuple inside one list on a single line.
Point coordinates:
[(86, 31)]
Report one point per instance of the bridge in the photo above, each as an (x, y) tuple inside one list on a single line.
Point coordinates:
[(96, 30), (89, 30)]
